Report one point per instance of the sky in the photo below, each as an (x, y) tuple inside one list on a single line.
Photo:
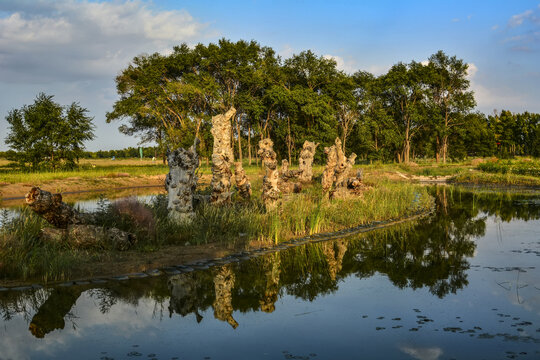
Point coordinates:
[(74, 49)]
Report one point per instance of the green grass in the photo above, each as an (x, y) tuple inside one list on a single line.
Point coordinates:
[(517, 167), (24, 256), (508, 179)]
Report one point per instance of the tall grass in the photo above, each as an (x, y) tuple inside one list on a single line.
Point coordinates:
[(23, 255)]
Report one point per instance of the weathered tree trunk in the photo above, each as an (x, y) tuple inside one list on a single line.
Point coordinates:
[(305, 160), (73, 227), (223, 286), (270, 190), (242, 182), (328, 174), (286, 178), (181, 182), (343, 166), (249, 144), (222, 157), (52, 208), (238, 132)]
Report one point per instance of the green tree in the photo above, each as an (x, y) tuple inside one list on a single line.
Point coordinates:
[(48, 135), (449, 96)]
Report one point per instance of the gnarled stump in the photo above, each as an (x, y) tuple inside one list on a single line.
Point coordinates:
[(287, 178), (181, 182), (305, 160), (270, 190), (52, 208), (329, 170), (71, 226), (222, 157), (242, 182), (90, 237)]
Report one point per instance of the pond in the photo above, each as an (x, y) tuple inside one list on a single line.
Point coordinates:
[(463, 283)]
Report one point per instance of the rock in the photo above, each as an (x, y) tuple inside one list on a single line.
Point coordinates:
[(90, 236)]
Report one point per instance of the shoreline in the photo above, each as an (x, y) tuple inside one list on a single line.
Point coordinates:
[(194, 263)]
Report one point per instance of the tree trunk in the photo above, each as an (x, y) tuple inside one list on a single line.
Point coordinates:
[(239, 138), (249, 144), (444, 148)]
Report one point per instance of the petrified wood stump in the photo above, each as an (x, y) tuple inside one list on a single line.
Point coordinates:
[(270, 189), (242, 182), (222, 157), (329, 170), (305, 160), (287, 178), (71, 226), (52, 208), (181, 182)]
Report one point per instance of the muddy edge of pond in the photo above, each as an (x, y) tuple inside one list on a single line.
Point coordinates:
[(203, 263)]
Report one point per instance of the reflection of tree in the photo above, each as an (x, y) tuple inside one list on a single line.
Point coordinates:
[(51, 314), (223, 284)]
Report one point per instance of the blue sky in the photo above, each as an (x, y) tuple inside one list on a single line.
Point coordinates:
[(74, 49)]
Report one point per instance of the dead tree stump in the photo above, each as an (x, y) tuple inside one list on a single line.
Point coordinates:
[(181, 182), (270, 189), (71, 226), (287, 183), (242, 182), (329, 170), (52, 208), (222, 157), (305, 160)]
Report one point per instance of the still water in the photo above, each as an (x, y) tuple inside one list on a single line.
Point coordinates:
[(461, 284)]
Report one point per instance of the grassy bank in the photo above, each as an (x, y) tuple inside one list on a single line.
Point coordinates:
[(481, 178), (24, 256)]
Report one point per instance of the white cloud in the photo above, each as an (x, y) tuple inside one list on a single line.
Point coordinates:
[(419, 353), (349, 66), (471, 70), (517, 20), (82, 40)]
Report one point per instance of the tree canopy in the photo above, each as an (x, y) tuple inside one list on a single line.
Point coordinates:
[(413, 110), (46, 135)]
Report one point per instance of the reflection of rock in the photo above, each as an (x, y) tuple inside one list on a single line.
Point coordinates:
[(270, 190), (334, 253), (242, 182), (181, 182), (50, 315), (305, 160), (223, 285), (222, 157), (272, 264), (184, 299)]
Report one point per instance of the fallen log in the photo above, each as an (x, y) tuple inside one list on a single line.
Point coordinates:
[(72, 227)]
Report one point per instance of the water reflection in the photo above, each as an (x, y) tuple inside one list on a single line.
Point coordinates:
[(433, 254)]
